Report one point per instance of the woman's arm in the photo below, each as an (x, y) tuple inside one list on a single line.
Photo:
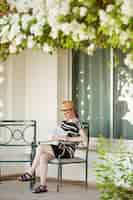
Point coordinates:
[(82, 138)]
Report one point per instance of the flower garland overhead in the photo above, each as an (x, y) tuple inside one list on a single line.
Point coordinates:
[(71, 24)]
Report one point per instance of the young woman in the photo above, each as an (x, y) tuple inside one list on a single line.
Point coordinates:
[(70, 131)]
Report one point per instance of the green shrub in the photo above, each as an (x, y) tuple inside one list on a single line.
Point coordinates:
[(114, 170)]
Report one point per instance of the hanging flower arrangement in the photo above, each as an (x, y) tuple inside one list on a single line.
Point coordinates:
[(69, 24)]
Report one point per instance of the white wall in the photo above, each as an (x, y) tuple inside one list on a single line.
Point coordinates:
[(30, 91), (41, 90)]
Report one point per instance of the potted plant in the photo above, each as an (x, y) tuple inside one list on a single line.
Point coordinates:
[(114, 170)]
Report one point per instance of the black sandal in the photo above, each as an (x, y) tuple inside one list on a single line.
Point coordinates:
[(40, 189), (26, 177)]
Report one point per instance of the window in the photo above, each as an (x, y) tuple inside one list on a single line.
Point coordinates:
[(103, 95)]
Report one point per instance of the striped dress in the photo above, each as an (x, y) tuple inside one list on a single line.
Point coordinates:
[(70, 129)]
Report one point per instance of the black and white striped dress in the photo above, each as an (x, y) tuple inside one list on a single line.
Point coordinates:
[(70, 129)]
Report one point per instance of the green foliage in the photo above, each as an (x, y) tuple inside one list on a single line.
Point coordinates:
[(114, 170), (4, 51), (4, 7)]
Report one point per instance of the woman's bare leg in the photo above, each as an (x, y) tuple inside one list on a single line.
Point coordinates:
[(40, 151), (44, 158), (36, 160)]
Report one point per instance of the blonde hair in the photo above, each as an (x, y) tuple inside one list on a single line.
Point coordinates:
[(68, 105)]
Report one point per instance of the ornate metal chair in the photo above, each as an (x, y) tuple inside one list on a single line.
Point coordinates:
[(17, 139), (75, 160)]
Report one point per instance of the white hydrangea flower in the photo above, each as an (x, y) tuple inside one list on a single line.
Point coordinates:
[(4, 20), (51, 3), (82, 35), (109, 8), (58, 7), (39, 7), (66, 28), (112, 22), (41, 19), (52, 16), (75, 37), (13, 48), (36, 29), (54, 33), (47, 48), (129, 61), (78, 32), (24, 6), (75, 10), (91, 33), (14, 19), (4, 34), (15, 29), (124, 36), (125, 19), (103, 17), (90, 49), (19, 38), (52, 20), (25, 19), (76, 26), (30, 42), (83, 11), (127, 8), (64, 7), (54, 9), (21, 5)]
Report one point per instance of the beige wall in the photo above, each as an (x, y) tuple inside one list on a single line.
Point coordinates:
[(41, 90), (31, 89)]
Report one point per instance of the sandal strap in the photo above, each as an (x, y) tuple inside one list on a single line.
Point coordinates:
[(26, 177), (40, 188)]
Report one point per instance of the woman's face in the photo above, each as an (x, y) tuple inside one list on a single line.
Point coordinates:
[(68, 114)]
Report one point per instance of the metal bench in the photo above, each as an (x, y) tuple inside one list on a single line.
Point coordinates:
[(17, 141)]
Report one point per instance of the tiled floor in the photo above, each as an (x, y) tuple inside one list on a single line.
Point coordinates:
[(14, 190)]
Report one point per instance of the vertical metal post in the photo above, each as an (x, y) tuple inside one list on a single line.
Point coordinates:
[(111, 92)]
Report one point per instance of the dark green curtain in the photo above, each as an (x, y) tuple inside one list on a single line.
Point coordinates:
[(91, 91)]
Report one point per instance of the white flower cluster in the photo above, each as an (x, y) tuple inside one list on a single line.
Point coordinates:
[(23, 6), (127, 8), (37, 23), (14, 30), (129, 60), (111, 24)]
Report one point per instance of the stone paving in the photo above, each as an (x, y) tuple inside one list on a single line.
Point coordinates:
[(15, 190)]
